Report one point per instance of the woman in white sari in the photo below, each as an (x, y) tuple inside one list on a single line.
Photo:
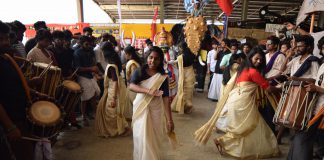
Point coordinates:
[(182, 102), (151, 102), (247, 134), (133, 62), (110, 120)]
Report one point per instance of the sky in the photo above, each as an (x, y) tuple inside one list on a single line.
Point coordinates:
[(50, 11)]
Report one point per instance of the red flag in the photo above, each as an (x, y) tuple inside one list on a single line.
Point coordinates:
[(226, 6), (153, 25)]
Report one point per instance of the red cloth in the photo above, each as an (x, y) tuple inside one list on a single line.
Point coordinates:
[(153, 25), (252, 75), (226, 6)]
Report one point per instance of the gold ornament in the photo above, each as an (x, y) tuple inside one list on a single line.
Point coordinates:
[(163, 38), (194, 31)]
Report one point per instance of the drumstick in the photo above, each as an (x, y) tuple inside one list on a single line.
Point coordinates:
[(46, 69), (280, 71), (76, 70), (276, 81), (35, 139), (20, 58), (285, 75)]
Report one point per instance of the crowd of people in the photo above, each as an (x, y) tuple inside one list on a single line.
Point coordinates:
[(127, 91)]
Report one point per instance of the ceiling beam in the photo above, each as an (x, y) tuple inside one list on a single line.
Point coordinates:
[(130, 7)]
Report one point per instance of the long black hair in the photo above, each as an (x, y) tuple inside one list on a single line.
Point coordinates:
[(131, 50), (227, 70), (159, 51), (110, 55), (247, 63)]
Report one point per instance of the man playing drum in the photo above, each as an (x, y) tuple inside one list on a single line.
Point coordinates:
[(304, 67), (14, 97), (303, 142), (275, 60), (40, 53)]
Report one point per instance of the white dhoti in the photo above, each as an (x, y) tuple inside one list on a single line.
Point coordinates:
[(90, 88), (215, 87)]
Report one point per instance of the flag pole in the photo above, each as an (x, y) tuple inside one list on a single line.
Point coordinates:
[(312, 23), (225, 26)]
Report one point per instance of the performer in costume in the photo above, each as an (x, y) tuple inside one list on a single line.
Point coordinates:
[(151, 102), (164, 40), (182, 103), (171, 60), (171, 71), (110, 120), (133, 62)]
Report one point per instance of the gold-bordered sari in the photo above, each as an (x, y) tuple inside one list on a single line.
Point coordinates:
[(186, 82), (148, 121), (110, 121)]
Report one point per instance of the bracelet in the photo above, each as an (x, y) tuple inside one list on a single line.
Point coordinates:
[(12, 128)]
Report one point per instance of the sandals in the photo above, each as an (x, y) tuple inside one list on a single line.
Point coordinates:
[(219, 146)]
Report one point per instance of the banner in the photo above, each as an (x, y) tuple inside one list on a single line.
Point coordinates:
[(274, 27), (308, 7), (111, 29), (74, 28)]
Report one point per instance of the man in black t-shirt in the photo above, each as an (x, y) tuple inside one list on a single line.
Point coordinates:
[(63, 55), (84, 60)]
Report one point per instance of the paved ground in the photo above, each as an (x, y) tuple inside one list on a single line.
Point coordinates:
[(84, 145)]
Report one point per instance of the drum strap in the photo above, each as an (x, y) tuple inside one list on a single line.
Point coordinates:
[(21, 76)]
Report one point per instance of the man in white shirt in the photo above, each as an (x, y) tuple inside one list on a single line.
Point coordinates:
[(274, 58), (100, 58), (211, 62), (304, 67)]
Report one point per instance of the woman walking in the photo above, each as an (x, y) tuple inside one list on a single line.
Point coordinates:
[(151, 85), (110, 120)]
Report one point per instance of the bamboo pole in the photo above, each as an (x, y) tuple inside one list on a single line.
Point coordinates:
[(219, 41), (312, 23)]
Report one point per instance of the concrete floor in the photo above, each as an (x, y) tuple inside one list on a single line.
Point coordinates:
[(83, 144)]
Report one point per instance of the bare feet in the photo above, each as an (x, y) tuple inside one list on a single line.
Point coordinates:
[(218, 146)]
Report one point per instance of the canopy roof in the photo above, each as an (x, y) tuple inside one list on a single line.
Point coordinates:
[(174, 9)]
